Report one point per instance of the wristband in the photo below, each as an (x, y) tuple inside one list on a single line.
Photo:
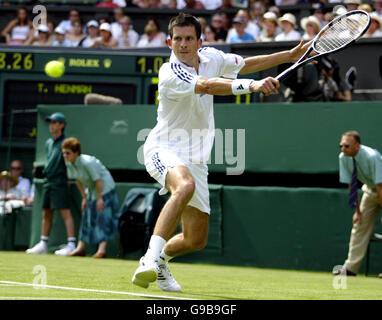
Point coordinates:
[(241, 86)]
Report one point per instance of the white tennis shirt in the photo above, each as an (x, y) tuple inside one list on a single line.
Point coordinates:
[(185, 120)]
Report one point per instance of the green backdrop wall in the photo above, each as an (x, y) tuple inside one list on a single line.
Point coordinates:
[(279, 138), (269, 227)]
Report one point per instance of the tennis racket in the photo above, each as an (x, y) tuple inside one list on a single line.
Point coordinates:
[(336, 35)]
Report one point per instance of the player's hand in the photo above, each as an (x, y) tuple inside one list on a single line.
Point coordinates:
[(267, 86), (298, 51), (357, 217)]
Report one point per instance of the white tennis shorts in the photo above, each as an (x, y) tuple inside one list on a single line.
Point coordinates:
[(157, 163)]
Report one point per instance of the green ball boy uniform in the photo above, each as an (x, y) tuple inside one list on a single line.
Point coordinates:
[(55, 186)]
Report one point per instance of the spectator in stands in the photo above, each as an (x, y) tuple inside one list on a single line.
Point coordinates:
[(269, 32), (368, 164), (67, 25), (352, 4), (240, 35), (339, 10), (311, 25), (107, 4), (193, 4), (99, 199), (170, 4), (103, 19), (328, 17), (288, 25), (333, 86), (210, 36), (123, 3), (43, 37), (106, 40), (92, 28), (318, 12), (77, 35), (211, 4), (152, 36), (8, 190), (128, 37), (217, 23), (378, 7), (250, 27), (256, 13), (365, 7), (61, 40), (285, 2), (226, 4), (116, 26), (140, 3), (203, 23), (55, 195), (154, 4), (375, 29), (18, 30), (275, 10), (16, 170)]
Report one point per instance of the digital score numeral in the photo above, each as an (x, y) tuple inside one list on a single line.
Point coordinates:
[(149, 64), (16, 61)]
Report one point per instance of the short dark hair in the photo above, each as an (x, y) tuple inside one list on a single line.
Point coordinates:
[(185, 20), (354, 134)]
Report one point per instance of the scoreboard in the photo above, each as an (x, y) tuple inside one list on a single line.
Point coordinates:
[(24, 85)]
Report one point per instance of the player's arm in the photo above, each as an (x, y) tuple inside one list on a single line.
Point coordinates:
[(263, 62), (222, 86)]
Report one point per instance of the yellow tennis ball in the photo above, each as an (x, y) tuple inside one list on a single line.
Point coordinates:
[(54, 69)]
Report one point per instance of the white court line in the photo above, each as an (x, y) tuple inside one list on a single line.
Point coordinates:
[(94, 290)]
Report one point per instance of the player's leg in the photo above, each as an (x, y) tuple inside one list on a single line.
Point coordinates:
[(194, 233), (192, 238), (180, 183), (182, 186)]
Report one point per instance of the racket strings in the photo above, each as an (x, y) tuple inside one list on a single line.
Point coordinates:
[(341, 32)]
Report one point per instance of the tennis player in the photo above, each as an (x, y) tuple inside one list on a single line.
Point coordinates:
[(177, 149)]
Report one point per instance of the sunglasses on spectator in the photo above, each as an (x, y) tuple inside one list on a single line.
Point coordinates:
[(15, 168), (219, 21), (344, 146), (67, 152)]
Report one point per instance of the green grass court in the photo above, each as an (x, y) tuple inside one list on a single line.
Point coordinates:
[(76, 278)]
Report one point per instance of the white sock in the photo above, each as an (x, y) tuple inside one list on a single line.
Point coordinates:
[(44, 240), (72, 241), (164, 258), (155, 247)]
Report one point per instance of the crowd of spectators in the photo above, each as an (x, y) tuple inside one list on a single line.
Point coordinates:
[(261, 21)]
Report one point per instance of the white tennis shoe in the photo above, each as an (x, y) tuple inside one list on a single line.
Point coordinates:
[(146, 273), (39, 248), (65, 250), (166, 281)]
